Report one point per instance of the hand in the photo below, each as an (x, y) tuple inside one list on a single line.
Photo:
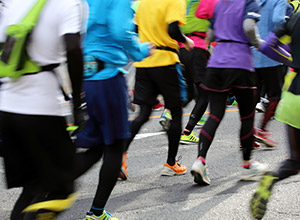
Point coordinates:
[(80, 119), (189, 44), (260, 43), (151, 47)]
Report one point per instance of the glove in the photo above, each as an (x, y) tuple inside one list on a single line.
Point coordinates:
[(273, 50), (80, 119)]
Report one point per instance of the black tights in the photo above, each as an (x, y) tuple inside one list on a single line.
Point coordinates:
[(174, 131), (109, 171), (198, 110), (245, 99), (291, 166)]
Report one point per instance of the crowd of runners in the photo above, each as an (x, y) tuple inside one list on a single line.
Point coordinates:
[(212, 53)]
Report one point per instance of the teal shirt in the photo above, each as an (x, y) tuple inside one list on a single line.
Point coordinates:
[(109, 39)]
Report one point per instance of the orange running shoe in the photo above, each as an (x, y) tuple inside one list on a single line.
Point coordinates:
[(123, 173), (176, 169)]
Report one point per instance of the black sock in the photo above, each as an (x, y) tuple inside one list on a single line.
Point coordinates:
[(187, 133), (96, 211)]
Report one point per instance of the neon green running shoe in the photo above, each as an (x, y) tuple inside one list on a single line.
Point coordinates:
[(189, 139), (202, 121), (261, 197), (105, 216)]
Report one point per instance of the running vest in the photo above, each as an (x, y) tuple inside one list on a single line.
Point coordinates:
[(194, 24), (14, 60)]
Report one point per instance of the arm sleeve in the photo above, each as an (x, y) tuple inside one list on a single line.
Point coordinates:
[(251, 31), (75, 65), (175, 32), (210, 35), (119, 26), (205, 9)]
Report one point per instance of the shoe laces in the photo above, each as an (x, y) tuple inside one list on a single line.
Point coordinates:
[(178, 159)]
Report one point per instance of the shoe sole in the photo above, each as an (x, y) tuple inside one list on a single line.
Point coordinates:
[(258, 206), (188, 142), (261, 140), (172, 174), (253, 176), (123, 175), (158, 109), (165, 124), (167, 173), (198, 178)]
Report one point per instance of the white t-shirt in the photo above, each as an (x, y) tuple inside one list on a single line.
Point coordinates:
[(39, 94)]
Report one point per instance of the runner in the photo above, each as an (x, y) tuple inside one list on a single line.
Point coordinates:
[(195, 61), (158, 74), (288, 113), (273, 15), (37, 150), (108, 43), (233, 26)]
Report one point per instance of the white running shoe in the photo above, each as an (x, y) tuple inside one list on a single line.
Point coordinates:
[(200, 173), (255, 169), (260, 107)]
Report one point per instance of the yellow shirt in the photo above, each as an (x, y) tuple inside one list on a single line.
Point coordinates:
[(153, 18)]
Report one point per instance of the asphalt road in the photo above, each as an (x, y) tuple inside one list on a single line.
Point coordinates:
[(147, 195)]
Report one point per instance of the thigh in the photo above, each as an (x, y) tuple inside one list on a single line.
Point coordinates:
[(217, 102), (199, 62), (167, 82), (38, 149), (146, 90), (246, 101), (107, 105), (273, 81)]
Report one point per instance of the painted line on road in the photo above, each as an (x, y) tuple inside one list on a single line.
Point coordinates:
[(140, 136), (187, 114)]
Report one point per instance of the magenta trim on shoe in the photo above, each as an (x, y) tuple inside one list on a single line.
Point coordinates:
[(202, 160), (247, 166)]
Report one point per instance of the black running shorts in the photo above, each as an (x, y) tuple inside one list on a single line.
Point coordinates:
[(37, 150), (150, 82)]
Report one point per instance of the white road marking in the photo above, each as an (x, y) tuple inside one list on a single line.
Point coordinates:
[(140, 136)]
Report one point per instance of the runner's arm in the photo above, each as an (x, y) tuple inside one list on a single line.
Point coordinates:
[(75, 65)]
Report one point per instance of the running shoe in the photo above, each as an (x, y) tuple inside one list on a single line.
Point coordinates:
[(123, 173), (199, 172), (158, 107), (202, 121), (264, 137), (176, 169), (165, 120), (259, 201), (256, 145), (255, 169), (105, 216), (189, 139), (260, 107)]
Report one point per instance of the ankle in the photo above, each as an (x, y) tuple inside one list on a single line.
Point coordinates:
[(97, 211)]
